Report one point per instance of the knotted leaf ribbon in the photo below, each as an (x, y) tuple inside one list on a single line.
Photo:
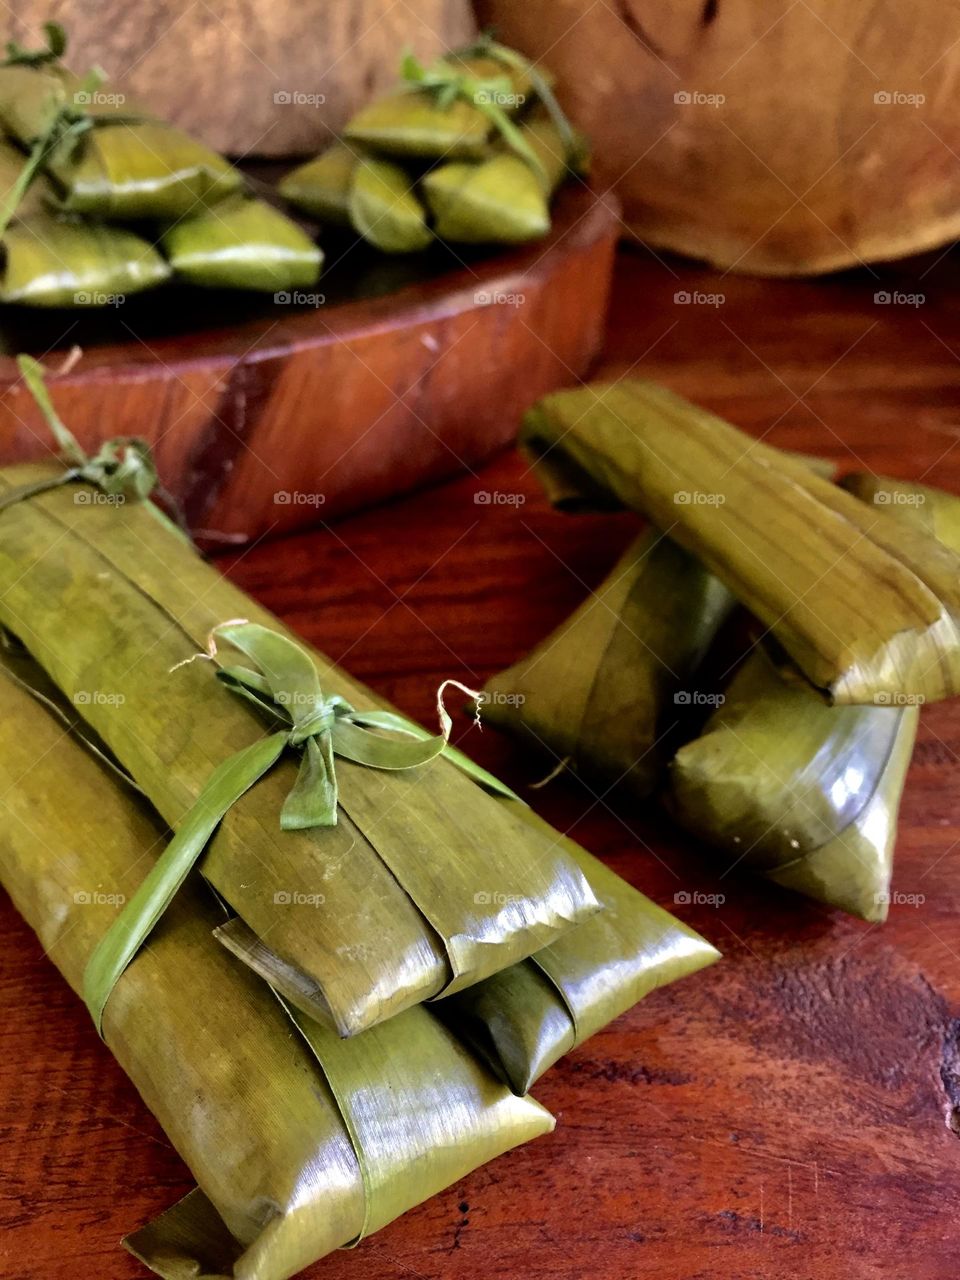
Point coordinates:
[(285, 684), (448, 82), (122, 468)]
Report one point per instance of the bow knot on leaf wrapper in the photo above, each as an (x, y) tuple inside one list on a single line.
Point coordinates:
[(284, 684), (287, 685), (121, 468), (490, 95)]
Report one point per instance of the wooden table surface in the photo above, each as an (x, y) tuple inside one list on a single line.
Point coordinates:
[(791, 1112)]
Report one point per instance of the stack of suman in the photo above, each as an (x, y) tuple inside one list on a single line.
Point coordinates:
[(758, 656), (469, 151), (101, 200), (350, 1022)]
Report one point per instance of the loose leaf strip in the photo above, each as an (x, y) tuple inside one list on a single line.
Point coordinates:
[(160, 885), (862, 603)]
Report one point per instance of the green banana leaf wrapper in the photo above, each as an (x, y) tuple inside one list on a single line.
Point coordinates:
[(321, 186), (51, 261), (801, 792), (411, 124), (126, 166), (242, 244), (863, 603), (426, 884), (284, 1126), (526, 1018), (144, 169), (934, 510), (601, 691), (32, 97), (385, 207), (502, 198)]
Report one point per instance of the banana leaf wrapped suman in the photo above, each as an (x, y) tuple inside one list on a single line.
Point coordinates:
[(242, 244), (321, 186), (385, 208), (51, 261), (804, 793), (36, 90), (146, 169), (525, 1018), (477, 141), (863, 603), (934, 510), (599, 692), (414, 123), (427, 883), (86, 161), (500, 199), (301, 1142)]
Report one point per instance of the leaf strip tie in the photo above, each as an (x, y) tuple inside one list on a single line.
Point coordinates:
[(286, 684), (122, 468), (448, 82)]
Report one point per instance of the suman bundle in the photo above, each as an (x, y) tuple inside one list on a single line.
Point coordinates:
[(300, 1142), (864, 604), (798, 790), (470, 150), (108, 201)]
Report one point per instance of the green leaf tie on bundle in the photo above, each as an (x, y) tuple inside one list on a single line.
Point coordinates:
[(287, 684), (449, 82), (122, 468), (335, 1137)]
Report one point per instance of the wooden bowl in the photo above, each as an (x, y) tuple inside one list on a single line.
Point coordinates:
[(270, 415), (784, 138)]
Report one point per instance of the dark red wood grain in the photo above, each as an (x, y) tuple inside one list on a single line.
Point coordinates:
[(788, 1113), (339, 404)]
